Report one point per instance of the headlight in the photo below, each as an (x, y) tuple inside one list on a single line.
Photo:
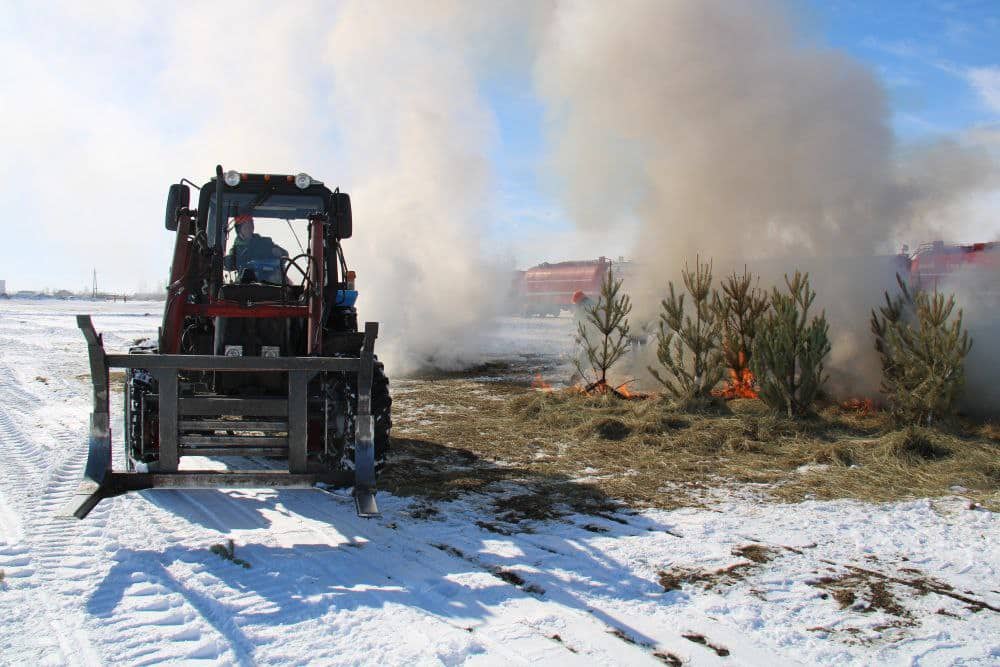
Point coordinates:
[(303, 181), (232, 178)]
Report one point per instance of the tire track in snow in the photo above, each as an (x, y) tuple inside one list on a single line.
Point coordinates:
[(42, 567), (59, 561), (153, 600), (344, 575), (601, 632), (66, 561), (428, 577), (586, 632)]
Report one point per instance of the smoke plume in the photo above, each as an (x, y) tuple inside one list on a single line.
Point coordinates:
[(977, 294), (419, 136), (725, 130)]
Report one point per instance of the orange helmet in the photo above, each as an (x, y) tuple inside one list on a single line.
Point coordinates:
[(241, 218), (578, 296)]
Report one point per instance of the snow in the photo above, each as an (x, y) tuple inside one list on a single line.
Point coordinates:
[(136, 582)]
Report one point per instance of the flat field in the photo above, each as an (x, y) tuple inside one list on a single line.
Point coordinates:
[(518, 526)]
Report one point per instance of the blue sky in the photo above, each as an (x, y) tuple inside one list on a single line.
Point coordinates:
[(926, 53), (107, 97)]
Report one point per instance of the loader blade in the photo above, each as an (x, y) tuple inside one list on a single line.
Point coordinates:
[(86, 497), (101, 482), (97, 473), (364, 502)]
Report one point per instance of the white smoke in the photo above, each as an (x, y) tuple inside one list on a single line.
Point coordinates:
[(729, 131), (419, 136), (977, 295)]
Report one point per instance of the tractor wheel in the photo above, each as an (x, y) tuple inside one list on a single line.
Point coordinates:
[(381, 410), (139, 423)]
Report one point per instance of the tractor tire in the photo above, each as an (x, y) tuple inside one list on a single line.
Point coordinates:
[(381, 411), (140, 425)]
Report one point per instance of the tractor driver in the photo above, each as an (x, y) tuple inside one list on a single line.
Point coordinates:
[(249, 246)]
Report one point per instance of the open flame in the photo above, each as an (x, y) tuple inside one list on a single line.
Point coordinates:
[(622, 390), (539, 383), (596, 389), (741, 382)]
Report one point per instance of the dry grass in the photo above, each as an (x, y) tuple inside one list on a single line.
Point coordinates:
[(227, 551), (455, 435), (677, 577), (860, 591), (116, 380), (756, 555)]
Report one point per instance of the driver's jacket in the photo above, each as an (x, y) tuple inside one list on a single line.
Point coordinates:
[(256, 247)]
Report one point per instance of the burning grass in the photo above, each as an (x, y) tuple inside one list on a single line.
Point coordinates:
[(573, 451)]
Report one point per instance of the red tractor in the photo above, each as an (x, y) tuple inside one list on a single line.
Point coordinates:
[(259, 355)]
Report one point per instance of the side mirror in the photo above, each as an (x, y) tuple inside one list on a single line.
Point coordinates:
[(340, 215), (178, 197)]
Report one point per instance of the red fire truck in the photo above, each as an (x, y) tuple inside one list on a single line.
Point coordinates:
[(548, 288), (940, 266)]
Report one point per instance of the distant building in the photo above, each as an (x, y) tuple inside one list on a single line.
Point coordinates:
[(3, 288)]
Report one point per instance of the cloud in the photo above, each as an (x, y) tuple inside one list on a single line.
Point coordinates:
[(986, 82), (105, 109)]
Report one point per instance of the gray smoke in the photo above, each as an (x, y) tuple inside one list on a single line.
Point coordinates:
[(418, 136), (977, 294), (728, 131)]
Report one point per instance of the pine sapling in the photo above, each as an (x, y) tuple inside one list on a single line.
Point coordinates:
[(689, 348), (922, 349), (740, 309), (789, 350), (604, 333)]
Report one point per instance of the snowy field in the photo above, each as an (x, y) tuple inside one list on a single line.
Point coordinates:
[(136, 583)]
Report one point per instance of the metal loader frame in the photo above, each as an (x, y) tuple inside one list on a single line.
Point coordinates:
[(101, 481)]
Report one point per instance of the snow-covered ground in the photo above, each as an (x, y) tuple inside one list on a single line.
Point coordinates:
[(136, 582)]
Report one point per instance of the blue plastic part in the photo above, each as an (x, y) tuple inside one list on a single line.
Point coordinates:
[(346, 298), (266, 270)]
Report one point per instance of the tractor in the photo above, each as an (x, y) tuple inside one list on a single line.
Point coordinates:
[(259, 356)]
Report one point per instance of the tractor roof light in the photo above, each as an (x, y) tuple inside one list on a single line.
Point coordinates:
[(232, 178), (303, 181)]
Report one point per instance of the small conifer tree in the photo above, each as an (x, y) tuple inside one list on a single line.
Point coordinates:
[(604, 332), (923, 352), (689, 348), (739, 308), (789, 349)]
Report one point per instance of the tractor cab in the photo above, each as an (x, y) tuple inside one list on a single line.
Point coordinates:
[(261, 252)]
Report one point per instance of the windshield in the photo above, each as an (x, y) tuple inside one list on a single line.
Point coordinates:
[(268, 206), (260, 249)]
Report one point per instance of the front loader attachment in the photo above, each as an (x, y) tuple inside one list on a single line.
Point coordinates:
[(101, 481)]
